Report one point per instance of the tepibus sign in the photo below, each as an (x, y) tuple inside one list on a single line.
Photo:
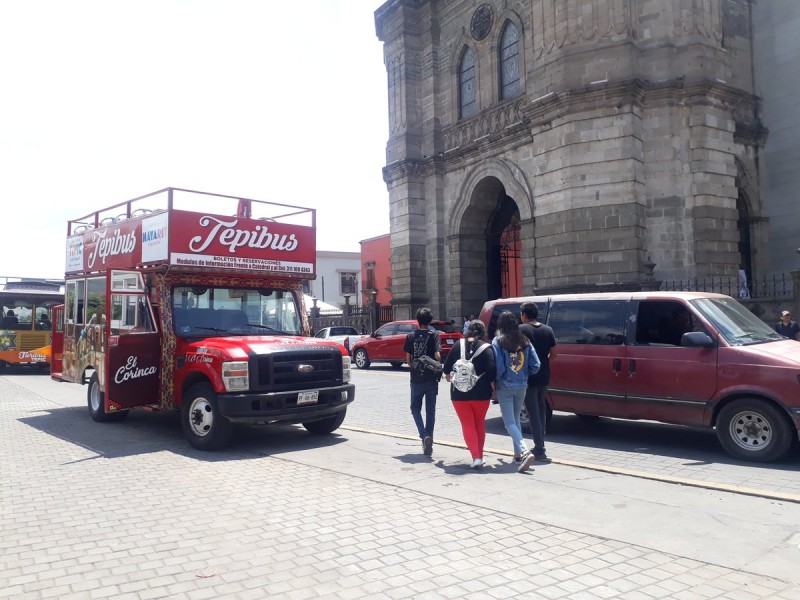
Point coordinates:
[(196, 240)]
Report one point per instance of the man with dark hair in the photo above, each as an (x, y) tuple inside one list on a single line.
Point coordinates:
[(423, 341), (544, 342), (788, 328)]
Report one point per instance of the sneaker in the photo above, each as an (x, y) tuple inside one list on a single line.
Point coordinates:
[(427, 445), (517, 458), (542, 458), (526, 463), (477, 463)]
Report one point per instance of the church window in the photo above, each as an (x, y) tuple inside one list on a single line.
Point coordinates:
[(468, 104), (509, 63)]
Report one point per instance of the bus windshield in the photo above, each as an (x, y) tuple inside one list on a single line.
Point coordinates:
[(734, 322), (204, 311)]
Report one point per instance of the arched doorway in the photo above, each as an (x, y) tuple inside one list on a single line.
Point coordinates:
[(503, 260), (745, 247)]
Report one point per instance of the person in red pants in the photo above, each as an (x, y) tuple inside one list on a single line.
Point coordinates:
[(471, 405)]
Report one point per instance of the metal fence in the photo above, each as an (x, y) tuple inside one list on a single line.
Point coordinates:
[(365, 319), (775, 286)]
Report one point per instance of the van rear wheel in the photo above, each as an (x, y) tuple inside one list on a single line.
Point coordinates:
[(751, 429)]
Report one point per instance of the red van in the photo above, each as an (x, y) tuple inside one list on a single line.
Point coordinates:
[(687, 358)]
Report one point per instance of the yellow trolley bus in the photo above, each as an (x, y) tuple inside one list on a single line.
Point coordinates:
[(26, 331)]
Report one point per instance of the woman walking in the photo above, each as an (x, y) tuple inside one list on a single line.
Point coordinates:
[(472, 403), (515, 361)]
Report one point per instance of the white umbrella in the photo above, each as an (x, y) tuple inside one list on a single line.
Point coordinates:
[(323, 306)]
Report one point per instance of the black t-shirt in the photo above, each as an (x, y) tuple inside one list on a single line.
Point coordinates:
[(422, 342), (542, 338), (484, 366), (790, 331)]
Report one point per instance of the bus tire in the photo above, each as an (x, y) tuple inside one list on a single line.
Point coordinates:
[(203, 425), (326, 425), (754, 430), (95, 399)]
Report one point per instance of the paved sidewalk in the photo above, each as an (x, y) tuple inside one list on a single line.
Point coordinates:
[(128, 510), (689, 456)]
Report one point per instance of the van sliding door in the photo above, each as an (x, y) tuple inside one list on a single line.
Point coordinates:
[(587, 375)]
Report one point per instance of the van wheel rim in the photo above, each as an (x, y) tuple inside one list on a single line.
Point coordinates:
[(750, 431), (201, 417)]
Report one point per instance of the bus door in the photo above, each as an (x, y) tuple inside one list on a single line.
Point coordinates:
[(57, 353), (134, 350)]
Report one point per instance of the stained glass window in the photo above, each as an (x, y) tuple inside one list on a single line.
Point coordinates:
[(466, 78), (509, 63)]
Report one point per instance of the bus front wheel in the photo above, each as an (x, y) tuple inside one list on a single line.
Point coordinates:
[(202, 422)]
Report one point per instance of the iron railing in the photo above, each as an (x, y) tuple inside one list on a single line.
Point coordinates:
[(774, 286)]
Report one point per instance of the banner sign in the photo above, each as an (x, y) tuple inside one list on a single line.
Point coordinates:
[(190, 239)]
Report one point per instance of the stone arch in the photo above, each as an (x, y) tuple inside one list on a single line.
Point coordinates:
[(485, 192), (508, 175), (748, 220)]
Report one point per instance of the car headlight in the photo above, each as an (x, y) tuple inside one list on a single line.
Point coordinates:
[(235, 376), (345, 369)]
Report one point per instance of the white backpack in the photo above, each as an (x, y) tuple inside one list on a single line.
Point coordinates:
[(463, 376)]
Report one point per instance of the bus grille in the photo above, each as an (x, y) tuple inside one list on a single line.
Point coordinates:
[(298, 370), (31, 341)]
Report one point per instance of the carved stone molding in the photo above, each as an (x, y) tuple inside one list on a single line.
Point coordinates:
[(559, 23), (485, 124)]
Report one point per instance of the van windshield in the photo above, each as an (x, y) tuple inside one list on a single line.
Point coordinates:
[(205, 311), (734, 322)]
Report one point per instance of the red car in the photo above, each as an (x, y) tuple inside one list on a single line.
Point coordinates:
[(386, 343)]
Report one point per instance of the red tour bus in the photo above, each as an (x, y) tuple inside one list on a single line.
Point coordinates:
[(190, 301)]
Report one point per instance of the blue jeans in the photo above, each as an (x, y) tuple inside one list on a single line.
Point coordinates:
[(511, 401), (536, 403), (428, 391)]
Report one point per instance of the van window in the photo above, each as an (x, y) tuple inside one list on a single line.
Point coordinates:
[(663, 322), (599, 322), (491, 330)]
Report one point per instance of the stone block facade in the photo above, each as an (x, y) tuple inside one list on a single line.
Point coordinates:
[(621, 157)]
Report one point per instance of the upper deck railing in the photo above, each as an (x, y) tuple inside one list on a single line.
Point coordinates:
[(193, 201)]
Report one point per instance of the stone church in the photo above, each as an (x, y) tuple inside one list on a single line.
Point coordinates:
[(543, 146)]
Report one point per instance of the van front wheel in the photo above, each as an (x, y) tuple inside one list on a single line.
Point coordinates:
[(751, 429)]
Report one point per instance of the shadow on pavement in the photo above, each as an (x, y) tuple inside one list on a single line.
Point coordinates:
[(694, 446), (144, 431)]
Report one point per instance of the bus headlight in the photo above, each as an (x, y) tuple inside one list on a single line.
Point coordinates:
[(345, 369), (236, 376)]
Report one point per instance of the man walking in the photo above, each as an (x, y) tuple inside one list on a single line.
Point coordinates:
[(423, 341), (544, 342)]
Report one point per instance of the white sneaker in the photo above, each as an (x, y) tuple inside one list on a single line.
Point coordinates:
[(527, 461), (477, 463)]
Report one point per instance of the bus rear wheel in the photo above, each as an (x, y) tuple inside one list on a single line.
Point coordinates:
[(95, 399), (203, 424)]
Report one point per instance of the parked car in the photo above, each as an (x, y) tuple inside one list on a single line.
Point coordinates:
[(385, 344), (346, 336), (687, 358)]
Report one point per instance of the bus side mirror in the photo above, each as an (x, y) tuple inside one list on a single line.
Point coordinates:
[(697, 339)]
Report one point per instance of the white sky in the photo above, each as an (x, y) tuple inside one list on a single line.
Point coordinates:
[(102, 101)]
